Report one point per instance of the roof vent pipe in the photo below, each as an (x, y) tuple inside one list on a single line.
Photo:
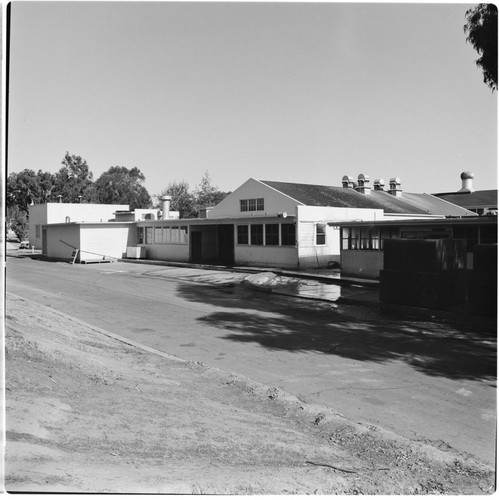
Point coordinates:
[(395, 187), (379, 184), (467, 180), (165, 201), (60, 198)]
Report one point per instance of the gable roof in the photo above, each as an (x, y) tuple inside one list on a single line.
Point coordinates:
[(486, 198), (330, 196)]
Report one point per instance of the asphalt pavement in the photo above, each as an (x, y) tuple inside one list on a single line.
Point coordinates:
[(418, 373)]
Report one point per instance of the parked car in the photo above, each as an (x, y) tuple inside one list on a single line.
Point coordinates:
[(24, 244)]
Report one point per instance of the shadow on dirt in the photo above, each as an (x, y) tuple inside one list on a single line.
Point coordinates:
[(436, 344)]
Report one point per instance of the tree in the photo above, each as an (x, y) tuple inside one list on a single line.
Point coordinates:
[(23, 189), (74, 179), (46, 184), (206, 195), (17, 220), (481, 31), (121, 185), (182, 201)]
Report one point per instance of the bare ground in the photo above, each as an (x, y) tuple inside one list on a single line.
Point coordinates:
[(86, 412)]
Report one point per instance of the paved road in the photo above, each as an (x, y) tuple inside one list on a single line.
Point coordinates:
[(419, 377)]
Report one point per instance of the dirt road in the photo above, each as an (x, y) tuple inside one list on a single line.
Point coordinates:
[(89, 413), (421, 375)]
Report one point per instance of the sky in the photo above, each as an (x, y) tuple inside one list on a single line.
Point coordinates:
[(291, 92)]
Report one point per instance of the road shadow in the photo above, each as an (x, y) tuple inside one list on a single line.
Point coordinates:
[(433, 343)]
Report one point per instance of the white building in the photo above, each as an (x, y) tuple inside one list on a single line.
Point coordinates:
[(261, 223)]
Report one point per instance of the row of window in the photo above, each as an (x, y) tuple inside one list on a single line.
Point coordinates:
[(252, 205), (163, 235), (266, 234), (366, 238)]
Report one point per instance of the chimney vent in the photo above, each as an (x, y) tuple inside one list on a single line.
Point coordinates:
[(60, 198), (467, 180), (347, 182), (395, 187), (363, 184), (165, 200), (379, 184)]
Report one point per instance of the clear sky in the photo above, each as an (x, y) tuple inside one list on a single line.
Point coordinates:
[(295, 92)]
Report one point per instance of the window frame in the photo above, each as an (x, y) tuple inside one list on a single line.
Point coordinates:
[(256, 234), (272, 236), (243, 234), (320, 235), (286, 236)]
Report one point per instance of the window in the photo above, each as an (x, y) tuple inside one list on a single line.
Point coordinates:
[(257, 234), (364, 238), (149, 235), (175, 235), (252, 205), (37, 230), (288, 234), (158, 235), (345, 238), (320, 234), (242, 235), (386, 234), (140, 235), (184, 232), (271, 234)]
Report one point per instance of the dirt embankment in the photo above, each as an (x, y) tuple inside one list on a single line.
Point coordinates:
[(88, 413)]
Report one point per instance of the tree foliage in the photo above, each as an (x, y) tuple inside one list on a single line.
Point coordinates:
[(22, 189), (206, 195), (73, 180), (122, 186), (481, 31), (189, 204), (17, 220), (182, 200)]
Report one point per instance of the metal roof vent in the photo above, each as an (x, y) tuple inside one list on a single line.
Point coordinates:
[(363, 184), (395, 187), (347, 182), (467, 180), (379, 184)]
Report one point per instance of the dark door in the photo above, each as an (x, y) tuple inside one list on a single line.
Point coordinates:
[(196, 246), (226, 244), (44, 241)]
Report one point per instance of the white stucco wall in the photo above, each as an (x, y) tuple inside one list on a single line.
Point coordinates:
[(106, 240), (53, 213), (59, 233), (361, 263), (81, 212), (274, 201), (312, 255), (109, 240), (37, 217), (172, 252), (266, 256)]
